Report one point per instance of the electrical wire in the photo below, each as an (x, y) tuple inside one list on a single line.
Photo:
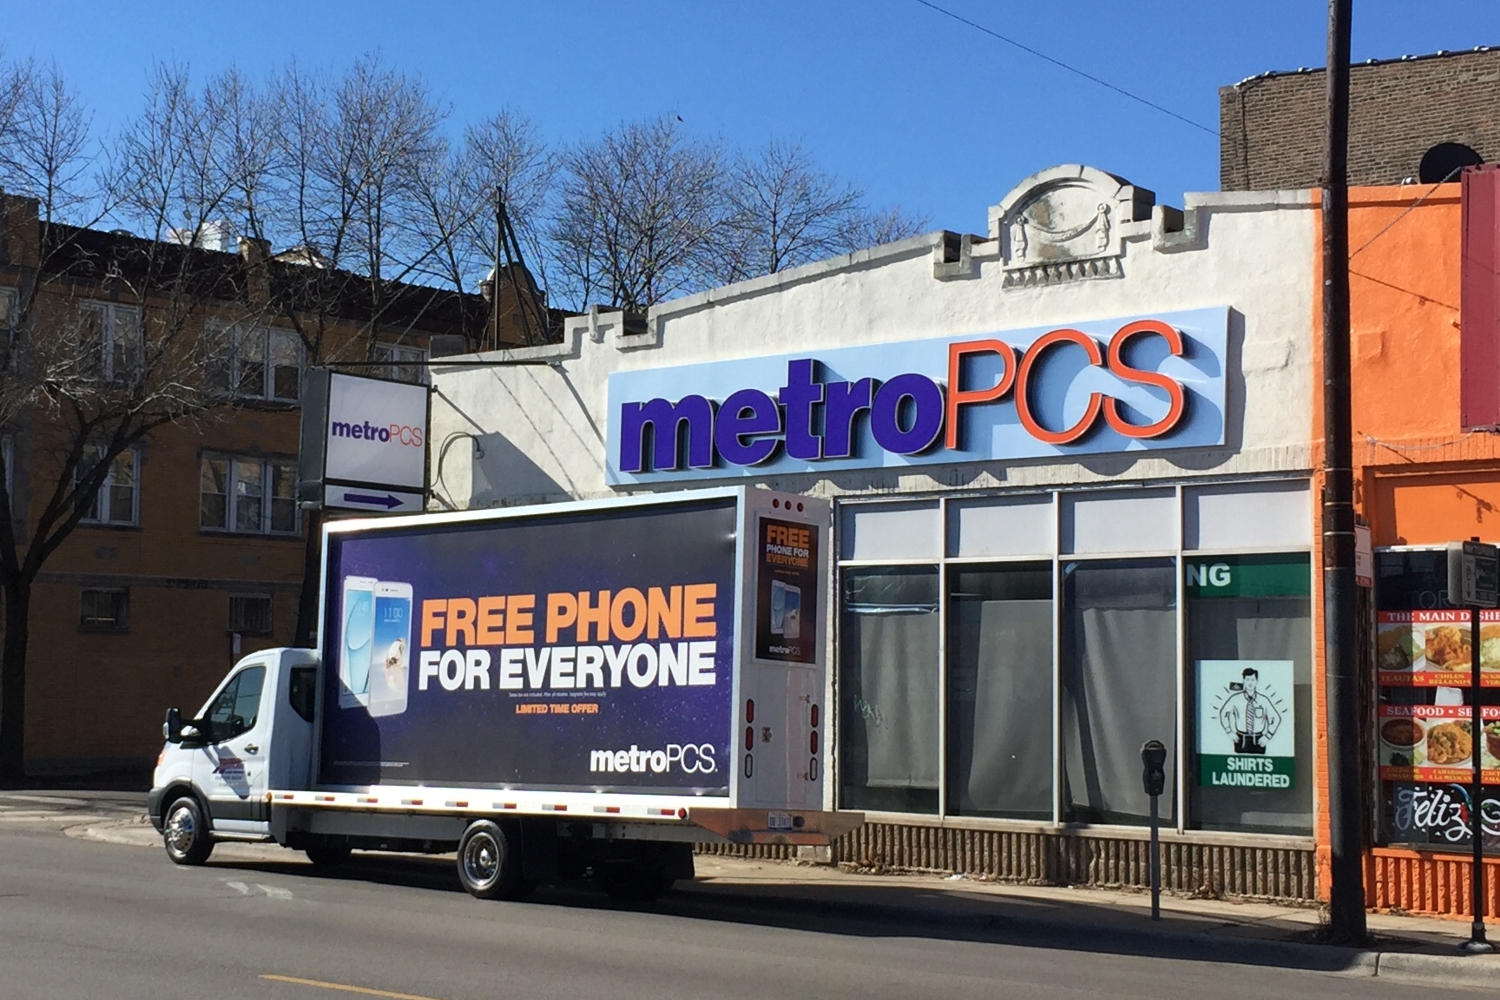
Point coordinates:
[(1071, 69), (1409, 209)]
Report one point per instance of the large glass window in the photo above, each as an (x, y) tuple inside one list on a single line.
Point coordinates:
[(1249, 628), (1007, 656), (1119, 685), (254, 362), (1000, 691), (247, 495), (889, 689), (118, 499)]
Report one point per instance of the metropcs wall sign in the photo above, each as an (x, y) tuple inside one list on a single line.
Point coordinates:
[(1135, 383)]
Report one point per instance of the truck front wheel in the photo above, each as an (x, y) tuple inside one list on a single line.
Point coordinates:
[(489, 862), (185, 834)]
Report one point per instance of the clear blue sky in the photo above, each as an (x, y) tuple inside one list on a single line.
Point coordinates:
[(914, 107)]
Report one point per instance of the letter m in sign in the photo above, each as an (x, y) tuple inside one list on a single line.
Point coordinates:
[(667, 430)]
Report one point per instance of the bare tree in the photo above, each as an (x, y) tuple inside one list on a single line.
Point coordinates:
[(783, 211), (105, 328), (638, 214)]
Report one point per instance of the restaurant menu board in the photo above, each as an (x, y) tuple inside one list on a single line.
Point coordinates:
[(1436, 743), (1434, 648)]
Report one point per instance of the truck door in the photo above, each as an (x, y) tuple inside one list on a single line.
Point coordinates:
[(231, 766)]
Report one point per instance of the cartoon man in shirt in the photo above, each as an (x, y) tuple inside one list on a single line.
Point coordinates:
[(1249, 717)]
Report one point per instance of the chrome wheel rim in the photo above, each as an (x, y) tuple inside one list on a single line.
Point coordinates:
[(481, 860), (181, 831)]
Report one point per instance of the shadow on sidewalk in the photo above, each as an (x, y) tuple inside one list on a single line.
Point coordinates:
[(862, 910)]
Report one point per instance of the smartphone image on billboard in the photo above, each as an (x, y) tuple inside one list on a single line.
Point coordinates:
[(791, 612), (389, 666), (354, 645)]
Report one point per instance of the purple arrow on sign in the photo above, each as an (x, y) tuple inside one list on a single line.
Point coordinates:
[(386, 501)]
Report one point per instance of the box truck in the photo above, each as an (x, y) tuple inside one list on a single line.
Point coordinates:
[(564, 691)]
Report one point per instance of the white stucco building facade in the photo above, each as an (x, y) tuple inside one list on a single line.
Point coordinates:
[(1071, 463)]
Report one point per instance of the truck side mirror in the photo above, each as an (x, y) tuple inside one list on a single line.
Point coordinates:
[(172, 728), (1153, 767)]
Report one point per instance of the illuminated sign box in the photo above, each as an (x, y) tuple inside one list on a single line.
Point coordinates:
[(1135, 383)]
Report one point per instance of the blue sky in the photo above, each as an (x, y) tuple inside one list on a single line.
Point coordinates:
[(914, 107)]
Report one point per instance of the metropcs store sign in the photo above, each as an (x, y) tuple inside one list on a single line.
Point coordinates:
[(1135, 383)]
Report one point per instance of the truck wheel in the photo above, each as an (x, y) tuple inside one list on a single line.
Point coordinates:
[(634, 883), (327, 855), (184, 833), (489, 862)]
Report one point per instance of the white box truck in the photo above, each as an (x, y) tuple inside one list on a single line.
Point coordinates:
[(554, 692)]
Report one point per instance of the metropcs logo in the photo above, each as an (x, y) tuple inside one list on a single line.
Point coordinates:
[(688, 758), (812, 418), (366, 431)]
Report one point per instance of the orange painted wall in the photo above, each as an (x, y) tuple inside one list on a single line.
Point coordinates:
[(1419, 479)]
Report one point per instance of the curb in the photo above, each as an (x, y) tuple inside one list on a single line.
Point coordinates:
[(1456, 970)]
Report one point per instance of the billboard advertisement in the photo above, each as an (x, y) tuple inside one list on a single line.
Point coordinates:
[(579, 651)]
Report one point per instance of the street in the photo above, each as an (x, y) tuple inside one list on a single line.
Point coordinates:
[(79, 918)]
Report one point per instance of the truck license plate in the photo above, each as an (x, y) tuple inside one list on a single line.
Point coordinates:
[(778, 821)]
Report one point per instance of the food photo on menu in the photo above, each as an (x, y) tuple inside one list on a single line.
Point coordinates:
[(1436, 743), (1434, 648)]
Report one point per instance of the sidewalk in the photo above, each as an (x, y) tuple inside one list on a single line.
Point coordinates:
[(914, 904)]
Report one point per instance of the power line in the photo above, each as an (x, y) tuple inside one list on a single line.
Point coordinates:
[(1071, 69)]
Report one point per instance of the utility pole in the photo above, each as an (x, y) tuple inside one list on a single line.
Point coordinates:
[(1347, 894)]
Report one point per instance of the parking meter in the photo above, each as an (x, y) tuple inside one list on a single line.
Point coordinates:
[(1153, 767), (1154, 778)]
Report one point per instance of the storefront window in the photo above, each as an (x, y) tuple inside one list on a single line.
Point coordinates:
[(1007, 656), (889, 689), (1119, 685), (1425, 735), (1249, 632), (1000, 691)]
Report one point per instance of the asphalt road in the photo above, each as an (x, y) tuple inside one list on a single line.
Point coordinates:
[(81, 919)]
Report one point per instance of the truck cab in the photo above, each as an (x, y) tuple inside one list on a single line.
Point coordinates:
[(253, 734)]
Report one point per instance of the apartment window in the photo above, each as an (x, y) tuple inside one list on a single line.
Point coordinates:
[(247, 495), (1006, 656), (250, 614), (118, 499), (110, 335), (254, 362), (406, 362), (104, 610)]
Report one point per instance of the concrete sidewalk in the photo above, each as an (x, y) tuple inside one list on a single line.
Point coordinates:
[(1251, 933)]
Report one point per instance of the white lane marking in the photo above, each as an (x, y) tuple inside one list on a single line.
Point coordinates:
[(239, 887), (274, 891)]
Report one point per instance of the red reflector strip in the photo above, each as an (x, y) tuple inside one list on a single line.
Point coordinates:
[(456, 804), (368, 798), (606, 809), (288, 795), (411, 802), (561, 809), (503, 805), (325, 798), (667, 812)]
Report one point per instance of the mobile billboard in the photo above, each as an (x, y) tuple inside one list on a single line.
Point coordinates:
[(572, 651)]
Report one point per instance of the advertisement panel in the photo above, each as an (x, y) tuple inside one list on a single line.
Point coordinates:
[(786, 598), (1126, 384), (1246, 725), (574, 652)]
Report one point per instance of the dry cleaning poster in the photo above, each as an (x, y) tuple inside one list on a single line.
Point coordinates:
[(786, 602), (1246, 734)]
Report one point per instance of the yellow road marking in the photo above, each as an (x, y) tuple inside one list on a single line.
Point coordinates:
[(367, 991)]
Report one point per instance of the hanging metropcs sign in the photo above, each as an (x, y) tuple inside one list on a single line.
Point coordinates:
[(364, 443), (1129, 384)]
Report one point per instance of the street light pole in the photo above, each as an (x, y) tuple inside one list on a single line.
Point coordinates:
[(1347, 893)]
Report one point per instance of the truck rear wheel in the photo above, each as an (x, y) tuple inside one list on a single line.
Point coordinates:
[(327, 855), (489, 862), (184, 833)]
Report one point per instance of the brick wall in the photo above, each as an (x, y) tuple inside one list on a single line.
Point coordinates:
[(1271, 128)]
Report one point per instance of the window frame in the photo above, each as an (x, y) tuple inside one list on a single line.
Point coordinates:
[(101, 498), (223, 338), (941, 560), (121, 621), (270, 605), (267, 495), (416, 359), (109, 315)]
